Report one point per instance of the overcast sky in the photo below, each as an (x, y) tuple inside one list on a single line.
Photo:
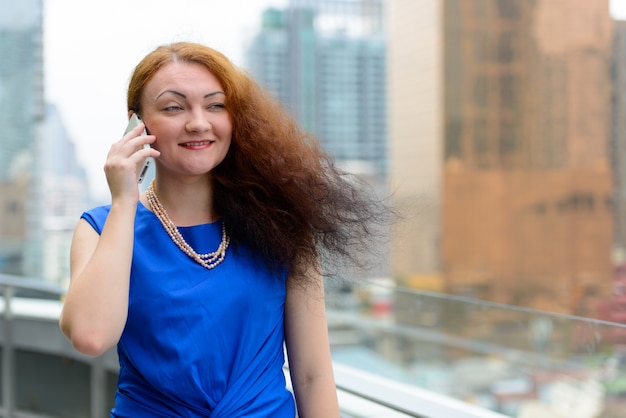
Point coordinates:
[(90, 48)]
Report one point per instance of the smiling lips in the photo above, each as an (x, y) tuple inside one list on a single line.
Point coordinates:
[(196, 144)]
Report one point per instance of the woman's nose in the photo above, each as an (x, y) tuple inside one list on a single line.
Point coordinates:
[(198, 122)]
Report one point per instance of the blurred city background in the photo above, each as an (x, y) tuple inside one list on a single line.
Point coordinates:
[(496, 128)]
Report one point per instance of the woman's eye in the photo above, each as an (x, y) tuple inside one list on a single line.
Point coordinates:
[(172, 108), (217, 106)]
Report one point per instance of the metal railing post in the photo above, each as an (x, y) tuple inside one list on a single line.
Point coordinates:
[(98, 378), (8, 357)]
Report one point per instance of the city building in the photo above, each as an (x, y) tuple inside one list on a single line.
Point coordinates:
[(499, 134), (618, 138), (13, 200), (65, 195), (325, 62), (21, 118)]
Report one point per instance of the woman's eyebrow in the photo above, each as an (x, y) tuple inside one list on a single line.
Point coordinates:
[(177, 93), (214, 93)]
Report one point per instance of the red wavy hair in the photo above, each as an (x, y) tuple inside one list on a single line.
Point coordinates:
[(277, 191)]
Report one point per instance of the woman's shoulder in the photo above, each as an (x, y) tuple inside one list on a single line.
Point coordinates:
[(97, 216), (99, 210)]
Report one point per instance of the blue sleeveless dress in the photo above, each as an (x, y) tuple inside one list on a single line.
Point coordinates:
[(198, 342)]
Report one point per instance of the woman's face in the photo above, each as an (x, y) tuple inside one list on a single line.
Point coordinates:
[(183, 106)]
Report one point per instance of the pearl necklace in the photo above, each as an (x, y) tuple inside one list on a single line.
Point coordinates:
[(209, 260)]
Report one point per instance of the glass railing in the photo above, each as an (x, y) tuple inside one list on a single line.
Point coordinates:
[(407, 352), (515, 361)]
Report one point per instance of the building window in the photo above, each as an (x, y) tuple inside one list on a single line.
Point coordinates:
[(508, 138), (453, 139), (481, 46), (506, 51), (481, 141), (12, 207), (480, 91), (508, 9), (507, 91)]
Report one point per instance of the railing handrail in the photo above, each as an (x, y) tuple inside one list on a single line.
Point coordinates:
[(485, 303), (27, 283)]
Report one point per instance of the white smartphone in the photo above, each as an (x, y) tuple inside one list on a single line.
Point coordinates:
[(133, 122)]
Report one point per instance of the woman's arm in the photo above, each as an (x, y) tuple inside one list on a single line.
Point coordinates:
[(96, 304), (308, 350)]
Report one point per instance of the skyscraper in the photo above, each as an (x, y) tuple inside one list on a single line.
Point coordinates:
[(64, 195), (618, 138), (21, 117), (325, 62), (499, 133)]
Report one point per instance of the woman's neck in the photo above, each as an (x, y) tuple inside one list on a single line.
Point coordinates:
[(188, 202)]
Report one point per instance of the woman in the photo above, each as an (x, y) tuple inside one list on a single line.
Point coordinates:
[(201, 279)]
